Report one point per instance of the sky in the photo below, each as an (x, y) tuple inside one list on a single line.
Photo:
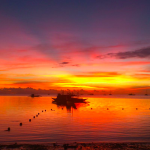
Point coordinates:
[(75, 44)]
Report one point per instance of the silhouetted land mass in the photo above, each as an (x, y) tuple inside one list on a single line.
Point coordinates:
[(29, 91), (26, 91)]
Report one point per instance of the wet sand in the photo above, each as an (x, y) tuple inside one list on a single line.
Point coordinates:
[(78, 146)]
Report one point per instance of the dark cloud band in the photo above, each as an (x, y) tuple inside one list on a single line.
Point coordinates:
[(141, 53)]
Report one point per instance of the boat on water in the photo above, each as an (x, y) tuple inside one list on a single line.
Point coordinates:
[(91, 94), (33, 95), (146, 94), (68, 98), (131, 94)]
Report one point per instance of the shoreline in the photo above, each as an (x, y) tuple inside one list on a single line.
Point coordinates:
[(78, 146)]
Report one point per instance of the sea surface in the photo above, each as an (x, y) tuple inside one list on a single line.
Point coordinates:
[(103, 119)]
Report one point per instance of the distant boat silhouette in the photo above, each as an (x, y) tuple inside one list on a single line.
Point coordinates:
[(146, 94), (33, 95), (91, 94), (8, 129), (110, 93), (131, 94)]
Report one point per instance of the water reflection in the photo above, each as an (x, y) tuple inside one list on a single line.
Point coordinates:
[(69, 106), (121, 122)]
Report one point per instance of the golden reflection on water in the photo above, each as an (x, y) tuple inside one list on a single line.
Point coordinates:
[(102, 119)]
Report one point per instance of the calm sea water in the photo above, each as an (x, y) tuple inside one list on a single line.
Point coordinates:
[(111, 119)]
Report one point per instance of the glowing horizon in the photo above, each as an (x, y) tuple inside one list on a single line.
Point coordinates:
[(54, 47)]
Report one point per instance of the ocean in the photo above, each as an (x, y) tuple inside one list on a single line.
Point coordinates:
[(102, 119)]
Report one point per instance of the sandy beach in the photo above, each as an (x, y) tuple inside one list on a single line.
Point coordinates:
[(78, 146)]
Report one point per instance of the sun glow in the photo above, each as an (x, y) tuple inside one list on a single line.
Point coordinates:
[(93, 82)]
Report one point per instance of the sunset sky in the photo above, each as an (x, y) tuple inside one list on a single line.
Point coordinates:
[(75, 44)]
